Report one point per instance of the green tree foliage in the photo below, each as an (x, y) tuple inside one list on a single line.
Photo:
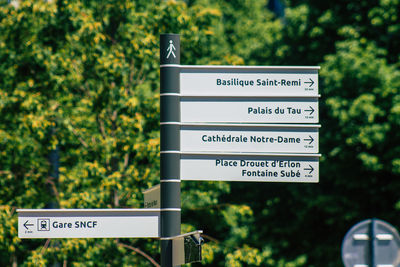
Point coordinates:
[(82, 78), (356, 46)]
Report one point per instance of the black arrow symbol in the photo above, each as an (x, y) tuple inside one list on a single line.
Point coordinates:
[(311, 82), (26, 224), (311, 139), (311, 110), (311, 169)]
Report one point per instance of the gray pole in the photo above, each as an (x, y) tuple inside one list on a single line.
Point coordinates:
[(372, 243), (170, 143)]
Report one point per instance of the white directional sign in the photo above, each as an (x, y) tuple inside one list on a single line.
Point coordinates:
[(250, 167), (88, 223), (249, 110), (266, 138), (248, 81), (152, 197)]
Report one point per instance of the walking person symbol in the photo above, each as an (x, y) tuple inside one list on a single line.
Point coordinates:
[(170, 49)]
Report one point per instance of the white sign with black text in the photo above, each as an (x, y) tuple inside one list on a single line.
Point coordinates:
[(88, 223), (295, 168), (152, 197), (262, 138), (249, 110), (248, 81)]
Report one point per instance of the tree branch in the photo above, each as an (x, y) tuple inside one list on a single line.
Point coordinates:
[(126, 160), (45, 246), (136, 250), (101, 127), (215, 206), (50, 180), (78, 136), (210, 238), (116, 199)]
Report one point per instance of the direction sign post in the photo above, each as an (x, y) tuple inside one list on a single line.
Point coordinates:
[(219, 123), (224, 111), (170, 143)]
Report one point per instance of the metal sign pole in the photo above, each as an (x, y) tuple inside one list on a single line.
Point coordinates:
[(372, 242), (170, 143)]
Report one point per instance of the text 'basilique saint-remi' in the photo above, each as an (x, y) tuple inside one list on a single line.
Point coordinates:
[(258, 82)]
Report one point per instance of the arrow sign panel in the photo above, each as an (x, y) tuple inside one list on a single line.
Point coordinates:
[(249, 81), (152, 197), (265, 138), (250, 167), (249, 110), (85, 223)]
